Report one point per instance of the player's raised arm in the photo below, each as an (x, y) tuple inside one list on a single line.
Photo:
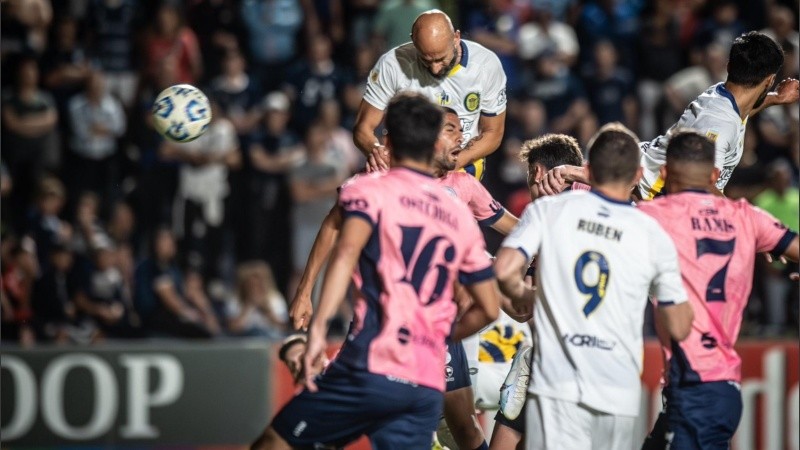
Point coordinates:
[(301, 308), (367, 120)]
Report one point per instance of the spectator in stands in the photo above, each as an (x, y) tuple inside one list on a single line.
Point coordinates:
[(684, 86), (610, 88), (496, 27), (721, 27), (238, 94), (25, 24), (111, 28), (313, 81), (614, 20), (199, 208), (563, 96), (65, 64), (171, 43), (272, 28), (219, 30), (104, 296), (394, 19), (782, 25), (777, 127), (160, 299), (45, 227), (194, 287), (314, 185), (259, 308), (782, 200), (30, 133), (97, 120), (273, 152), (364, 59), (19, 270), (546, 32), (52, 300), (659, 55), (341, 150)]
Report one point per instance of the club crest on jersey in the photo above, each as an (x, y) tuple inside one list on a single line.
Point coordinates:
[(472, 101), (713, 135), (373, 77), (443, 98)]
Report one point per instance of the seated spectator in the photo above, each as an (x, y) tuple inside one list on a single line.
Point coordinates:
[(97, 121), (30, 135), (196, 295), (44, 225), (104, 295), (259, 308), (684, 86), (546, 32), (237, 93), (65, 64), (160, 299), (111, 28), (19, 270), (172, 43), (341, 149), (394, 19), (52, 304)]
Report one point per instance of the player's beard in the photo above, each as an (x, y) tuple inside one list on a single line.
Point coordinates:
[(761, 98), (446, 69)]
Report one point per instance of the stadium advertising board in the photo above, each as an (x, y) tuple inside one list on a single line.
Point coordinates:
[(160, 392)]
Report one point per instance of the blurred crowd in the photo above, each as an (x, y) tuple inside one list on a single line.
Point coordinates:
[(109, 231)]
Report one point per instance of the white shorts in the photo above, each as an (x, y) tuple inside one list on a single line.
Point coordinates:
[(487, 379), (553, 424)]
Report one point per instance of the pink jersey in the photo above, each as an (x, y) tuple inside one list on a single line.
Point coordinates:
[(466, 187), (717, 241), (422, 241)]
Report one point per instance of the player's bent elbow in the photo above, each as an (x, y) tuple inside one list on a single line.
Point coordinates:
[(680, 321)]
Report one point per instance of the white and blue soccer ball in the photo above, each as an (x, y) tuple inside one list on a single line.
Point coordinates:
[(181, 113)]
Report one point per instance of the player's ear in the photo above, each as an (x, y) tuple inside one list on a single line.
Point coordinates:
[(714, 175), (457, 36), (638, 176), (662, 172)]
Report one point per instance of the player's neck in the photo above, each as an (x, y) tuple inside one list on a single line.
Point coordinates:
[(676, 187), (614, 191), (745, 98), (415, 165)]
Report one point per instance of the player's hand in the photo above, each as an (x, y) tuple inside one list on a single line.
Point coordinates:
[(315, 354), (794, 276), (770, 259), (557, 179), (300, 310), (788, 91), (378, 160)]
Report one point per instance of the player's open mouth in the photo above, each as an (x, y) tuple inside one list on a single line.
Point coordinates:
[(455, 152)]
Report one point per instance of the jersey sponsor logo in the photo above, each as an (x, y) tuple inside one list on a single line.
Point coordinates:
[(443, 98), (466, 125), (472, 101), (448, 373), (589, 341), (712, 135)]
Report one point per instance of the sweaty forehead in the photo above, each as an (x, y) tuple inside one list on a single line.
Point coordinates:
[(451, 119)]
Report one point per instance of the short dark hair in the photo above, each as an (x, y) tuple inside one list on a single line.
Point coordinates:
[(551, 150), (449, 110), (753, 57), (413, 124), (690, 146), (613, 154)]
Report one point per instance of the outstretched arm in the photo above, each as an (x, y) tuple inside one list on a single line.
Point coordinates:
[(300, 309), (788, 91), (367, 120), (355, 233)]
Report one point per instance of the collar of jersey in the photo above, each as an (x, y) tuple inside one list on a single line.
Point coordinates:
[(696, 191), (464, 60), (609, 199), (721, 90), (419, 172)]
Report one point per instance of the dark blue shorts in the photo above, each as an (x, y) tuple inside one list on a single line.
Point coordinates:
[(701, 416), (517, 424), (349, 404), (456, 369)]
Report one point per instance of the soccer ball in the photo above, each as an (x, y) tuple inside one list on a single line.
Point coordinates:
[(181, 113)]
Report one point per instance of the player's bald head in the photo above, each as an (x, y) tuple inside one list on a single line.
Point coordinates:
[(436, 41)]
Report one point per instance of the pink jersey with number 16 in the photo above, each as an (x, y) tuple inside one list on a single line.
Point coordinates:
[(422, 240), (717, 241)]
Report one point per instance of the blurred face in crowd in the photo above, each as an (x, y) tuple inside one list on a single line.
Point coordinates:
[(320, 49), (106, 258), (254, 287), (28, 73), (62, 260), (122, 222), (96, 85), (165, 246), (316, 139), (233, 64), (67, 33), (448, 146), (605, 55), (168, 20), (329, 113)]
